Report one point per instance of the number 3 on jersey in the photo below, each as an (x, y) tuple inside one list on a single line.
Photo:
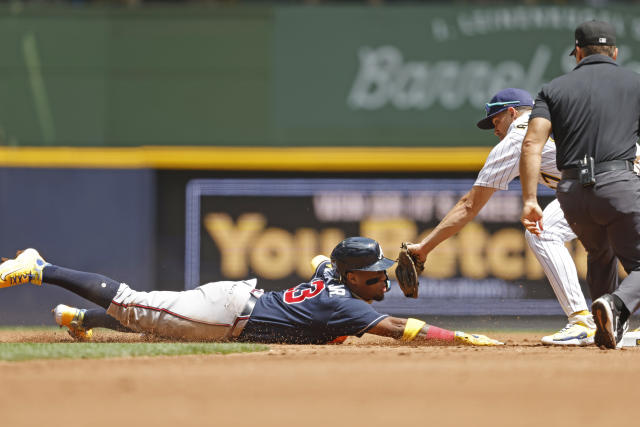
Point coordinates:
[(300, 293)]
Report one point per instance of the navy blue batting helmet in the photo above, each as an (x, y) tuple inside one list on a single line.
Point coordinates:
[(359, 254)]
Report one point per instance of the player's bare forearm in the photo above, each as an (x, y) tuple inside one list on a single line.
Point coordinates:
[(392, 327), (538, 132), (464, 211)]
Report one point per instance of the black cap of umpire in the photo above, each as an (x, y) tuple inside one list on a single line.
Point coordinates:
[(594, 33)]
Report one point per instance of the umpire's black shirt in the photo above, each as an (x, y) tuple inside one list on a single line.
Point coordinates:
[(594, 110)]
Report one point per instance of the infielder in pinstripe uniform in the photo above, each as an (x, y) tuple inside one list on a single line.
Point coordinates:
[(508, 114)]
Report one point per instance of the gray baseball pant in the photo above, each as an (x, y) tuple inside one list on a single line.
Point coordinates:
[(606, 219)]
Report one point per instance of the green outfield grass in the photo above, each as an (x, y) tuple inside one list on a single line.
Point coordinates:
[(30, 328), (30, 351)]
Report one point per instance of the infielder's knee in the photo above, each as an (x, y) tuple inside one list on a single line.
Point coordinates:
[(544, 245), (532, 240)]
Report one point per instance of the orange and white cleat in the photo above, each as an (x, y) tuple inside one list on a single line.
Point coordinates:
[(71, 318)]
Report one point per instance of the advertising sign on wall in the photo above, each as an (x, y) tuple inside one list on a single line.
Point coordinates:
[(279, 75), (420, 75), (271, 228)]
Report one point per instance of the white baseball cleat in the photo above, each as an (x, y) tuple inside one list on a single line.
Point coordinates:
[(573, 334), (26, 267), (631, 338)]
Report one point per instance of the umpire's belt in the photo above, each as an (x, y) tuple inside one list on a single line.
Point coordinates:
[(244, 315), (612, 165)]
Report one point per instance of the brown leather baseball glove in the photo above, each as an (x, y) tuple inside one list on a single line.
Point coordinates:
[(408, 271)]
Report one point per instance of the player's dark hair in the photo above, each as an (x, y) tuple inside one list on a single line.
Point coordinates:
[(602, 50)]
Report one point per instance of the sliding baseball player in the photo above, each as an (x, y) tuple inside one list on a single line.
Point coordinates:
[(332, 305)]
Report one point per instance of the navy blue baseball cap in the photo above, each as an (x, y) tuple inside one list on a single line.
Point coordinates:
[(502, 100)]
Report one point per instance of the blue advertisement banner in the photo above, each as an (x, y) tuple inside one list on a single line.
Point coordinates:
[(271, 228)]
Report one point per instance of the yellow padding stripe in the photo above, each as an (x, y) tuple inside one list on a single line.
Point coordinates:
[(317, 260), (412, 328), (316, 159)]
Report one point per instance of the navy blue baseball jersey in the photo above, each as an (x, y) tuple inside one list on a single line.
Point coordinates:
[(316, 312)]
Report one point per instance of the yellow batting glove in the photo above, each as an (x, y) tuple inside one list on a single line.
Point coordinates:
[(474, 339)]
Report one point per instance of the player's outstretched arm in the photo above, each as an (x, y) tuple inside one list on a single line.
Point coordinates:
[(464, 211), (419, 332)]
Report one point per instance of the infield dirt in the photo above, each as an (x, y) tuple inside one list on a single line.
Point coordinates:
[(365, 382)]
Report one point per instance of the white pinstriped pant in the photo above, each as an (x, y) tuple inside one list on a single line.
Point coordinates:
[(555, 259)]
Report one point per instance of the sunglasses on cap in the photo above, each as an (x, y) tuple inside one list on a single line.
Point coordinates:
[(490, 105)]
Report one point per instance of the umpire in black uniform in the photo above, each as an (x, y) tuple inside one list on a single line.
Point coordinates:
[(594, 114)]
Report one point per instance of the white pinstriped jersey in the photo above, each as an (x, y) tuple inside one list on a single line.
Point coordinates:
[(503, 163)]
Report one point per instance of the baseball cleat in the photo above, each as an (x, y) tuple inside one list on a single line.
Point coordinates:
[(609, 329), (26, 267), (71, 318), (577, 334), (631, 338)]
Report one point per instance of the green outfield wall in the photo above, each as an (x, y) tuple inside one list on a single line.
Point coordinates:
[(287, 76)]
